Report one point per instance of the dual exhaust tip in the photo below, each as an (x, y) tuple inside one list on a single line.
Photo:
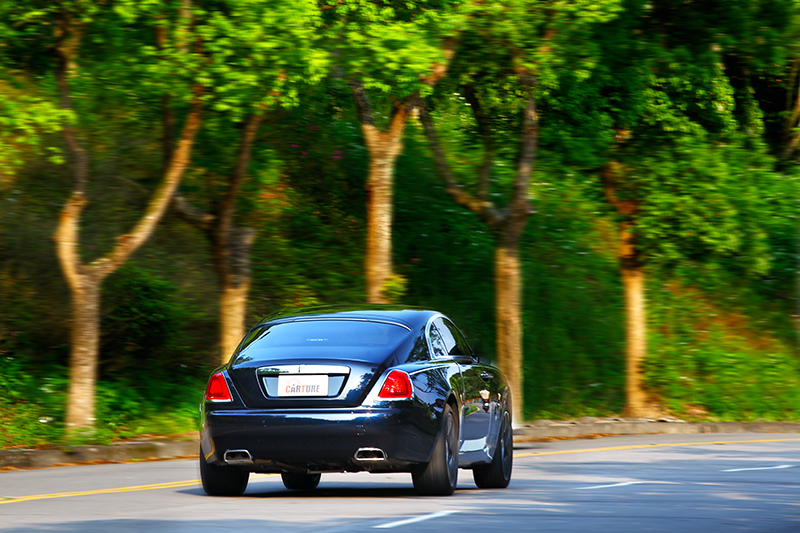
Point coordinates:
[(241, 457), (370, 454), (237, 457)]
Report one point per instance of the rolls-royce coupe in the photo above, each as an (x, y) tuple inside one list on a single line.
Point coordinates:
[(355, 388)]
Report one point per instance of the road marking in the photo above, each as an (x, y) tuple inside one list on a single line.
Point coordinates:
[(614, 485), (642, 446), (189, 483), (171, 485), (414, 520), (762, 468)]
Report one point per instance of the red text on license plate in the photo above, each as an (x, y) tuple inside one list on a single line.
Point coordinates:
[(303, 385)]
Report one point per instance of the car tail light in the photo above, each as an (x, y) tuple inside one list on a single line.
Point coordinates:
[(397, 386), (217, 390)]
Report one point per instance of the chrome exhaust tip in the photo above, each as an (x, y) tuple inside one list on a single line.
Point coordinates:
[(370, 454), (237, 457)]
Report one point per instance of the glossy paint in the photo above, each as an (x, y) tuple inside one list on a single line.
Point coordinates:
[(320, 434)]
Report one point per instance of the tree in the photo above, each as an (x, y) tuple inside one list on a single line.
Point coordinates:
[(496, 68), (230, 245), (686, 178), (398, 50), (507, 225), (85, 279), (74, 23), (259, 54)]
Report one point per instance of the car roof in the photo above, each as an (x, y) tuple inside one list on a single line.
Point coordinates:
[(412, 317)]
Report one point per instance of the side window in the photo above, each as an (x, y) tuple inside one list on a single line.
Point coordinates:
[(461, 347), (438, 348), (444, 331)]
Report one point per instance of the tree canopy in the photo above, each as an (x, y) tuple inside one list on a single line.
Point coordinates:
[(327, 139)]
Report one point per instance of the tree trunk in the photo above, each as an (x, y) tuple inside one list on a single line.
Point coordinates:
[(233, 268), (508, 313), (85, 338), (635, 325), (232, 313), (230, 246), (632, 269), (380, 198), (384, 147)]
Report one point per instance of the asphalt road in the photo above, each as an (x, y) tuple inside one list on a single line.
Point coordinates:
[(664, 483)]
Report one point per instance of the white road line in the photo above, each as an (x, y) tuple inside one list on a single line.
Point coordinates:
[(614, 485), (762, 468), (413, 520)]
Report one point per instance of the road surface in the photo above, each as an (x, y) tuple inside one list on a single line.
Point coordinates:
[(660, 483)]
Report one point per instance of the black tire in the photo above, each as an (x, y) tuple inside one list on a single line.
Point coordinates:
[(222, 480), (300, 481), (497, 474), (440, 476)]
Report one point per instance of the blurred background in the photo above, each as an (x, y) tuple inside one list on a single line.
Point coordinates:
[(293, 153)]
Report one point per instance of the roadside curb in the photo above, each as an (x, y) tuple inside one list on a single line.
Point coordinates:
[(97, 454), (587, 427), (641, 426)]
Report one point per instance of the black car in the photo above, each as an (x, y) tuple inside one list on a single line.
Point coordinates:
[(355, 388)]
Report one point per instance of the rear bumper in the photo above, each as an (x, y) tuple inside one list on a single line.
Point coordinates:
[(319, 439)]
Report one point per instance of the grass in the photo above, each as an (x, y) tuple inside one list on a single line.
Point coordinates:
[(32, 416)]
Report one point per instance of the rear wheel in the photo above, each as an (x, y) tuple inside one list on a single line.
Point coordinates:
[(222, 480), (440, 475), (497, 474), (300, 481)]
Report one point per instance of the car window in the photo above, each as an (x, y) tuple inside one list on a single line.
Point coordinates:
[(438, 348), (447, 336), (321, 334), (461, 347), (446, 341)]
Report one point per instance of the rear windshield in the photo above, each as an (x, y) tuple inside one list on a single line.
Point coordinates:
[(266, 343)]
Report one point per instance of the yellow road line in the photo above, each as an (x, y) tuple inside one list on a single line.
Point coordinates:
[(192, 482), (155, 486), (136, 488), (641, 446)]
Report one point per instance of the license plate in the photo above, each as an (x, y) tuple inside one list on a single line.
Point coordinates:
[(302, 385)]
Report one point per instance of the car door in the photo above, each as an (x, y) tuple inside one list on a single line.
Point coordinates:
[(477, 406)]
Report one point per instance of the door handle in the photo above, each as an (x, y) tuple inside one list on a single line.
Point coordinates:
[(486, 376)]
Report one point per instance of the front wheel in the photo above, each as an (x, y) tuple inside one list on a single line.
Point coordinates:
[(497, 474), (222, 480), (300, 481), (440, 475)]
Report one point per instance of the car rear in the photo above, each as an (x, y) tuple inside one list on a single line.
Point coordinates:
[(317, 394)]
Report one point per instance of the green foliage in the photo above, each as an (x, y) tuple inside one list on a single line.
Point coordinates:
[(444, 251), (32, 408), (24, 121), (141, 324), (395, 288), (260, 51), (311, 209), (19, 314), (574, 325), (672, 91), (709, 358), (128, 409), (391, 46)]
